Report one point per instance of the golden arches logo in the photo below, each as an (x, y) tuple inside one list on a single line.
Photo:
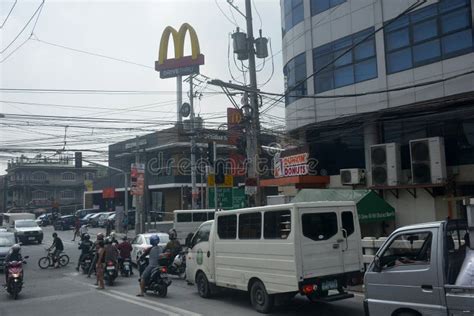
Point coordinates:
[(180, 64)]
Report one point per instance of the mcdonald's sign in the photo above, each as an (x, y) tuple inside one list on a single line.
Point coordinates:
[(180, 65)]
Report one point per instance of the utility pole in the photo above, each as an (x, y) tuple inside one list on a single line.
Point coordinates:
[(194, 193), (252, 132), (138, 199)]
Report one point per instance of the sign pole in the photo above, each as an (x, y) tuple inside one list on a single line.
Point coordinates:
[(194, 192), (215, 182), (179, 98)]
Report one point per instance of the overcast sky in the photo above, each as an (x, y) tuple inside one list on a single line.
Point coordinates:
[(128, 30)]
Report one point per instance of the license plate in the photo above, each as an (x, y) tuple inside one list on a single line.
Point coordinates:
[(329, 285), (31, 238), (87, 261), (110, 268)]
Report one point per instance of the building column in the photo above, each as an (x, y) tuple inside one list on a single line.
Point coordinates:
[(370, 138)]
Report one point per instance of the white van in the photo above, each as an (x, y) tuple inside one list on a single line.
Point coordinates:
[(281, 250), (188, 221)]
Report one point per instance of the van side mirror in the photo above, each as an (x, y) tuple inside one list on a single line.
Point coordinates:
[(377, 265), (188, 240)]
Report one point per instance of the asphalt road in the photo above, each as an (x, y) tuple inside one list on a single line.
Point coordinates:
[(67, 292)]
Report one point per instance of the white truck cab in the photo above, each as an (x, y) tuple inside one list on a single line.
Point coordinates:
[(278, 251)]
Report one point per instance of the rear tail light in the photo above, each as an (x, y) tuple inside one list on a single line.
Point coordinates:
[(164, 270), (309, 288), (110, 263)]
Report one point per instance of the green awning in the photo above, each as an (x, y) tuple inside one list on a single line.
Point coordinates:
[(370, 206)]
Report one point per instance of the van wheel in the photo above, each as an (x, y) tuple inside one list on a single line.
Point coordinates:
[(203, 286), (261, 300)]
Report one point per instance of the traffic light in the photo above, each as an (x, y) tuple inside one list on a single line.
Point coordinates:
[(220, 175), (210, 153)]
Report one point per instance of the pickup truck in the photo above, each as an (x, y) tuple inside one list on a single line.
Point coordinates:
[(416, 270)]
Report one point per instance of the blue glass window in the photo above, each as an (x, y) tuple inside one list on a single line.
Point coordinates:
[(342, 65), (295, 73), (294, 13), (318, 6), (439, 31)]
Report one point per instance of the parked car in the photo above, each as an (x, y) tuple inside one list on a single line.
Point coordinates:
[(65, 222), (131, 219), (102, 220), (142, 242), (83, 212), (86, 219), (45, 219), (93, 220)]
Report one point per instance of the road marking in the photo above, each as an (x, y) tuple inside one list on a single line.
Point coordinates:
[(178, 310), (55, 297), (164, 308)]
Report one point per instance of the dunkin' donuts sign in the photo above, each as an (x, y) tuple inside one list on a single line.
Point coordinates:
[(292, 165)]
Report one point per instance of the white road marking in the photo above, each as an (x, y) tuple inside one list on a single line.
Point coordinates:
[(54, 297), (178, 310), (160, 307)]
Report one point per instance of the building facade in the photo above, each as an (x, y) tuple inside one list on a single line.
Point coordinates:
[(362, 72), (40, 182)]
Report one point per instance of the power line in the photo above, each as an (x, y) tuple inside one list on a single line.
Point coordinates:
[(225, 15), (8, 15), (23, 29), (92, 91)]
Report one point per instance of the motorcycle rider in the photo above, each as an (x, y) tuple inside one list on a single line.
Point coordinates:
[(83, 230), (111, 252), (153, 262), (58, 248), (113, 238), (14, 254), (85, 246), (125, 250), (100, 238), (173, 246)]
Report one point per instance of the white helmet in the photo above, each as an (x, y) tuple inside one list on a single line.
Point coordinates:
[(177, 261), (172, 234)]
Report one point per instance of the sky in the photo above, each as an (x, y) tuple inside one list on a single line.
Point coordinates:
[(125, 30)]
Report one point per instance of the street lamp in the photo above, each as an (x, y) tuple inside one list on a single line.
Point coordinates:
[(118, 225)]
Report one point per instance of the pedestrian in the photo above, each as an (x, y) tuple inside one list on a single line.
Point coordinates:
[(100, 237), (100, 265), (108, 227), (77, 227), (125, 224)]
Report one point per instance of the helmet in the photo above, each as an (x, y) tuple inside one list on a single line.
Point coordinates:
[(55, 235), (86, 237), (100, 236), (112, 235), (15, 248), (177, 260), (154, 240), (108, 241), (172, 233)]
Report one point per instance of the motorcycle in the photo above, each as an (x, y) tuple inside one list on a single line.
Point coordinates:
[(86, 262), (125, 267), (15, 277), (177, 266), (110, 272), (159, 280)]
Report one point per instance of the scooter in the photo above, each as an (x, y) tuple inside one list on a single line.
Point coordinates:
[(86, 262), (15, 277), (110, 272), (125, 267), (159, 280), (177, 266)]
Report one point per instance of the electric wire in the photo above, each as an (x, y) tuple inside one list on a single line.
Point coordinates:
[(8, 15)]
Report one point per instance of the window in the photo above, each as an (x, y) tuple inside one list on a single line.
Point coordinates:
[(69, 176), (294, 13), (201, 235), (295, 72), (319, 226), (407, 249), (67, 195), (318, 6), (337, 67), (210, 215), (250, 226), (348, 222), (199, 217), (276, 224), (184, 217), (89, 176), (227, 227), (39, 176), (439, 31), (39, 195)]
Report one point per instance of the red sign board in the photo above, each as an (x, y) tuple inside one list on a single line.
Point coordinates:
[(108, 193), (137, 178)]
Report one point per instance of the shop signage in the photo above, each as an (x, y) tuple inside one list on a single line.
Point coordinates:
[(290, 165), (137, 178)]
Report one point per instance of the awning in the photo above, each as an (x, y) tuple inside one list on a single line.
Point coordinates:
[(370, 206)]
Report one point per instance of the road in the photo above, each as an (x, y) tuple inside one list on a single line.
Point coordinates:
[(67, 292)]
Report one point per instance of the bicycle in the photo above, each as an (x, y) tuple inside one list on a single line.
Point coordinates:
[(45, 262)]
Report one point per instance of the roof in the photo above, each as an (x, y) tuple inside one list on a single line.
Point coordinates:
[(421, 226), (190, 211), (370, 206)]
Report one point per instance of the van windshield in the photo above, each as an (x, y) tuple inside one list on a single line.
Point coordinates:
[(26, 223)]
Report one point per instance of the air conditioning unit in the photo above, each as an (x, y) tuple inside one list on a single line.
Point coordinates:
[(428, 162), (352, 176), (385, 164)]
